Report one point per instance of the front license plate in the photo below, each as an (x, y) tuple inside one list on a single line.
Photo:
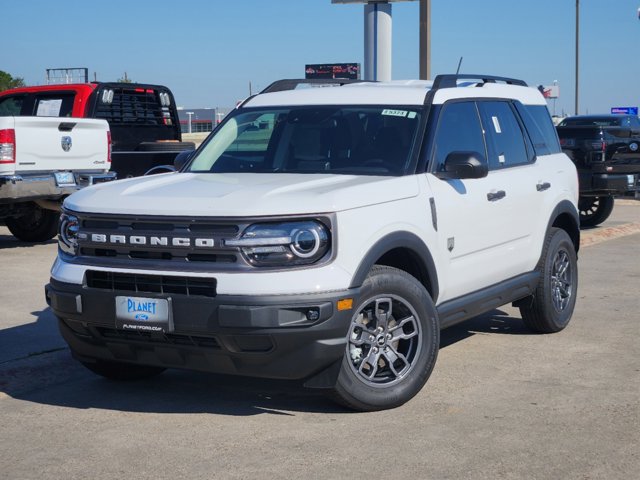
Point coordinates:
[(143, 314), (64, 179)]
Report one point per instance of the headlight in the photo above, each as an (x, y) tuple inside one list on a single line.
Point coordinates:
[(282, 244), (68, 234)]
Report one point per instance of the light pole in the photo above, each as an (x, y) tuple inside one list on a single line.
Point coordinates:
[(577, 51), (190, 115), (425, 39)]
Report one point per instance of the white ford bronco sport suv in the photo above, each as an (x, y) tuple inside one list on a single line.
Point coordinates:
[(327, 234)]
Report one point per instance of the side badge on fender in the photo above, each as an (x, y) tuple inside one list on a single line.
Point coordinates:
[(66, 143), (450, 243)]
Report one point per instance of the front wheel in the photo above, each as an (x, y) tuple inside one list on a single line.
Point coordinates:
[(555, 296), (594, 210), (37, 225), (392, 343)]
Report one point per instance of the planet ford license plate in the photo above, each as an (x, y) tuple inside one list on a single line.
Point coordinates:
[(144, 314)]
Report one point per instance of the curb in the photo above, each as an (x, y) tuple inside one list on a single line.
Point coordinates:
[(589, 238)]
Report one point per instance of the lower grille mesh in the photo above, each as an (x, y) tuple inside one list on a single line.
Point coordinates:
[(114, 281)]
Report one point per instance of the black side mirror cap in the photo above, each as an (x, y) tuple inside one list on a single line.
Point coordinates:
[(182, 158), (461, 165)]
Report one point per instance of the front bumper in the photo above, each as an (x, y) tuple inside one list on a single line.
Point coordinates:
[(34, 186), (268, 336)]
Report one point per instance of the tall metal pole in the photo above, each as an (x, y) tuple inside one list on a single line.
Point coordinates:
[(577, 51), (425, 39)]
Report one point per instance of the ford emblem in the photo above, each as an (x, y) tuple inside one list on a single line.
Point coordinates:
[(66, 143), (633, 146)]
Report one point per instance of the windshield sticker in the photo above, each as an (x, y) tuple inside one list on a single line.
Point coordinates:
[(496, 124), (411, 115), (394, 113)]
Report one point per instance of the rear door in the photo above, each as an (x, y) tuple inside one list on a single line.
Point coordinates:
[(44, 144)]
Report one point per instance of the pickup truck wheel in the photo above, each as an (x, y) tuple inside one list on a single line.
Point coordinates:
[(38, 225), (392, 343), (594, 210), (122, 371), (555, 296)]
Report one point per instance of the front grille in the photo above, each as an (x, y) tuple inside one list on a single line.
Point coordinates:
[(165, 339), (201, 241), (135, 283)]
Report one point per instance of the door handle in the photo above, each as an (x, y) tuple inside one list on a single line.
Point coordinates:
[(493, 196), (541, 187)]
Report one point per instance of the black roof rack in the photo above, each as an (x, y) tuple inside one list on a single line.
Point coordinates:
[(450, 80), (292, 83)]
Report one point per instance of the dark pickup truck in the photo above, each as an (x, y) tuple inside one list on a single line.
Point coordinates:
[(606, 151), (143, 119)]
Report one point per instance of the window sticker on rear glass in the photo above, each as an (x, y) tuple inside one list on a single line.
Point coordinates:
[(49, 108), (496, 124), (395, 113)]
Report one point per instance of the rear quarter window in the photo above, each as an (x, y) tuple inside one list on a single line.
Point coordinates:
[(540, 128)]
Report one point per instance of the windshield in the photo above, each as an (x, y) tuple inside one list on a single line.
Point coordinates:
[(321, 139)]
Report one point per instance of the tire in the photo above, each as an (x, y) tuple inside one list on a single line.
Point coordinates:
[(122, 371), (395, 326), (594, 210), (555, 296), (165, 146), (38, 225)]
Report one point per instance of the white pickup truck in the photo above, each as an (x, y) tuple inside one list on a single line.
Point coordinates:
[(43, 160)]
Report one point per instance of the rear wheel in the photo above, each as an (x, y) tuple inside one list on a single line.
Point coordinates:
[(555, 297), (594, 210), (392, 343), (37, 225), (122, 371)]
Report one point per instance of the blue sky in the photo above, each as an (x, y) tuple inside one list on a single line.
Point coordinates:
[(207, 51)]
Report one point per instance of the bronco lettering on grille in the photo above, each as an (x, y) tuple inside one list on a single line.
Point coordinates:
[(152, 241)]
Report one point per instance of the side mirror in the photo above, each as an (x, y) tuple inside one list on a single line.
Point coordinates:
[(181, 159), (461, 165)]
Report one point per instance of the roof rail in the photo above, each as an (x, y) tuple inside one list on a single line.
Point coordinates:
[(292, 83), (450, 80)]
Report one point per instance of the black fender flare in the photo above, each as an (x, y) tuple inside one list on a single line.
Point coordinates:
[(566, 207), (400, 239)]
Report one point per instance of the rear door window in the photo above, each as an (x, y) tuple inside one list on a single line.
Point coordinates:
[(505, 140)]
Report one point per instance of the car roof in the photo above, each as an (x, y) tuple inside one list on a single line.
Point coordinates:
[(406, 92)]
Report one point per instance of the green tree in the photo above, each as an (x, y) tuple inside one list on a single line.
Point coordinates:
[(7, 81)]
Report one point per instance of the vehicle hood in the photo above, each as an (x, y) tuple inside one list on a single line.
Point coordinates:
[(240, 194)]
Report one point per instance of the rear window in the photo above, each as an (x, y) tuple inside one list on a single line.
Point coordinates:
[(47, 105), (11, 106)]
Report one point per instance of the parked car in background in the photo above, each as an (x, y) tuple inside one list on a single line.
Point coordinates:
[(43, 160), (145, 129), (606, 152)]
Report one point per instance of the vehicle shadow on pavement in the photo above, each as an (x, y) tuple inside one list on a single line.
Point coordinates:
[(9, 241), (56, 379)]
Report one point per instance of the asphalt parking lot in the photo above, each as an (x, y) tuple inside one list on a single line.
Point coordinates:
[(501, 403)]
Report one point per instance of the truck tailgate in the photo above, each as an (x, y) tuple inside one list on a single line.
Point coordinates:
[(52, 143)]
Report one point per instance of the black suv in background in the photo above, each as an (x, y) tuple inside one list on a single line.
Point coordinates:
[(606, 151)]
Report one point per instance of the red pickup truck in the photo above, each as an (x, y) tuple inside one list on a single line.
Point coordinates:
[(143, 119)]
